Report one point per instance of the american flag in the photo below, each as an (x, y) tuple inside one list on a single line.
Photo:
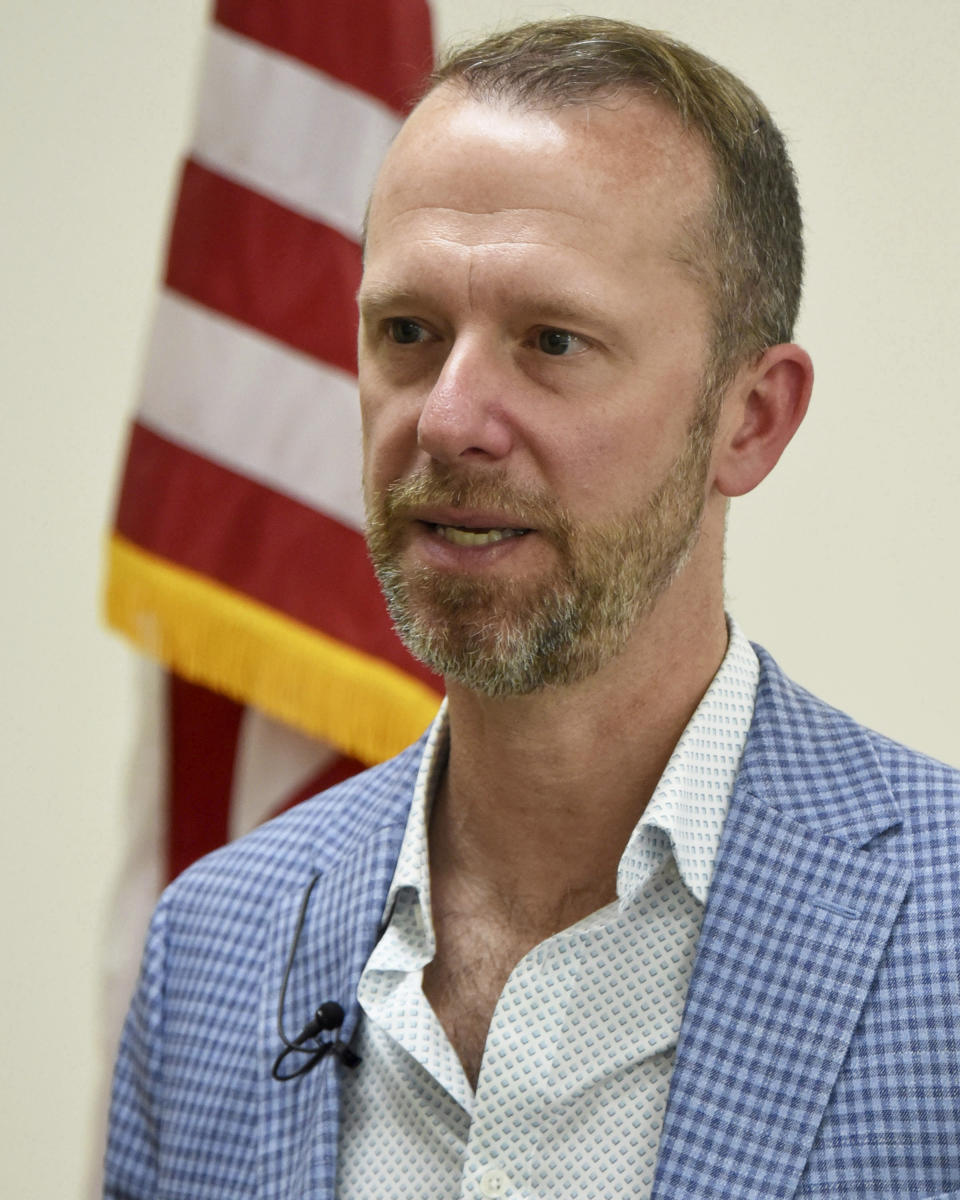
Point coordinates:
[(236, 560)]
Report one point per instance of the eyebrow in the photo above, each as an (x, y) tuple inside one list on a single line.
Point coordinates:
[(562, 305), (379, 296)]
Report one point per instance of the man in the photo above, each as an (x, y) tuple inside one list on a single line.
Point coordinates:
[(638, 916)]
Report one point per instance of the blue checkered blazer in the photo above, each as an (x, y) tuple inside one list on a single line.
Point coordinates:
[(820, 1049)]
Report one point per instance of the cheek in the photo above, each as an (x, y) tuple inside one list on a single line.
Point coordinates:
[(594, 461), (389, 438), (610, 463)]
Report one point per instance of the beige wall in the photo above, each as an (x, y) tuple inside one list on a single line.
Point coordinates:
[(844, 563)]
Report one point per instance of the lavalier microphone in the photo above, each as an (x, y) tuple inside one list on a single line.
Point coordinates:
[(328, 1016)]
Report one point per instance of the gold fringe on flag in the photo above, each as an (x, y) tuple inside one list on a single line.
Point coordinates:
[(214, 636)]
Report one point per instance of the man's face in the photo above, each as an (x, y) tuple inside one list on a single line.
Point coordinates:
[(532, 351)]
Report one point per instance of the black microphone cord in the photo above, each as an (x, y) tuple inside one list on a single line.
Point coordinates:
[(328, 1016)]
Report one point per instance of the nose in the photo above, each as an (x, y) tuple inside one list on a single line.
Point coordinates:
[(464, 415)]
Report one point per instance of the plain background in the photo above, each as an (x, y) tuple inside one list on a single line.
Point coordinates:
[(844, 563)]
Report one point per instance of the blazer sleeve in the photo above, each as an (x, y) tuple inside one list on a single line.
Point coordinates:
[(132, 1155)]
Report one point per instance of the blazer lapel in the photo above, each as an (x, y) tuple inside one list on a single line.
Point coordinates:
[(298, 1120), (797, 919)]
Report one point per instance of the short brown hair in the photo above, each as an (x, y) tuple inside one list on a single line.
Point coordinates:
[(751, 254)]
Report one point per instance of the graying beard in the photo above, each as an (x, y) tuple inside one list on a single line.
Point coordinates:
[(581, 630), (584, 619)]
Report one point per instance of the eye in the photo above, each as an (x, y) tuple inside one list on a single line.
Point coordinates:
[(405, 331), (559, 342)]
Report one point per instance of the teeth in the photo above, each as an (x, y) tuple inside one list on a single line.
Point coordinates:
[(475, 537)]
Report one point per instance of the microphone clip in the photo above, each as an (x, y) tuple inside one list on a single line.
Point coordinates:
[(328, 1016)]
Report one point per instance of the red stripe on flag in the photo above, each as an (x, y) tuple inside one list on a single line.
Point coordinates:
[(187, 509), (243, 255), (383, 47), (203, 730)]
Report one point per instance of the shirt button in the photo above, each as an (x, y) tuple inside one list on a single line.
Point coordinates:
[(494, 1183)]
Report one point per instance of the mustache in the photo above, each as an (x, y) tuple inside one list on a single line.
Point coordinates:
[(438, 485)]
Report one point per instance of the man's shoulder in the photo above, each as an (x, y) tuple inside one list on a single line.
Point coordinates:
[(814, 741), (309, 839)]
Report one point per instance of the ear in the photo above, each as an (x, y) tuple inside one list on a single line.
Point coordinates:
[(762, 410)]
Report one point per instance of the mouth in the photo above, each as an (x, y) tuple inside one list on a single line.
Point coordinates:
[(460, 535)]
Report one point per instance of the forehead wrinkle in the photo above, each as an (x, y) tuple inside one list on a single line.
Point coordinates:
[(405, 256), (407, 280), (520, 215), (579, 306), (678, 252)]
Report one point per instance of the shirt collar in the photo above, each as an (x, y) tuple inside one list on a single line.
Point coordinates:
[(688, 806), (413, 870), (690, 802)]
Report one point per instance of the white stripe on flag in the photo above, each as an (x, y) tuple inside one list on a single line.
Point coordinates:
[(246, 401), (289, 131), (273, 763)]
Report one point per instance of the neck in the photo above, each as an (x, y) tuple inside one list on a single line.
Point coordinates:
[(543, 791)]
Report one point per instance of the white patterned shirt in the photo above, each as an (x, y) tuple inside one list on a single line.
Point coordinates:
[(575, 1073)]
